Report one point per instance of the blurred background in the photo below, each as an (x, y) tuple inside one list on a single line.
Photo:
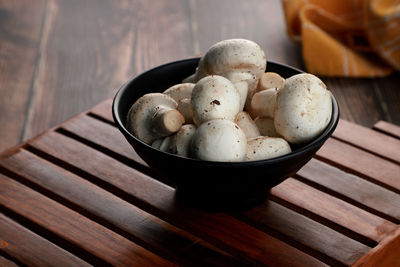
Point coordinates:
[(61, 57)]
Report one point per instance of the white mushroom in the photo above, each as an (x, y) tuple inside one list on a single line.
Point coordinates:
[(157, 143), (214, 97), (180, 91), (270, 80), (185, 108), (183, 138), (229, 57), (266, 126), (166, 144), (262, 147), (247, 124), (153, 116), (303, 108), (263, 103), (219, 140), (178, 143)]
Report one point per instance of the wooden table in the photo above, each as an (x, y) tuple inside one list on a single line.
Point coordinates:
[(79, 195), (61, 57)]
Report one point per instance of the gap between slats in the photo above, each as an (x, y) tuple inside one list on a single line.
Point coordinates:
[(116, 226), (367, 139), (32, 249), (319, 255), (346, 199), (70, 230), (312, 184), (53, 238), (103, 112), (129, 196), (98, 118), (388, 129), (366, 241), (11, 259), (121, 158), (303, 233)]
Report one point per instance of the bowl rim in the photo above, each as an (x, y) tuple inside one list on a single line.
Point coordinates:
[(322, 137)]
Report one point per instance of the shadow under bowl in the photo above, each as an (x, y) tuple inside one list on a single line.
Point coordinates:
[(205, 182)]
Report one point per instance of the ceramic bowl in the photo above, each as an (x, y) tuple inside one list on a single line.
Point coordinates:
[(205, 181)]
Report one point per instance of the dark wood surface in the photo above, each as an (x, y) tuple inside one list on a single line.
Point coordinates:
[(61, 57), (78, 195)]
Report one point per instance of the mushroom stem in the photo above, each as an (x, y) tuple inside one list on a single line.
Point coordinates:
[(167, 121)]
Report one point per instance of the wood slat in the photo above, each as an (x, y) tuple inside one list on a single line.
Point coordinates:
[(77, 126), (352, 187), (33, 250), (114, 213), (314, 238), (83, 234), (7, 263), (360, 162), (20, 34), (103, 110), (219, 229), (388, 128), (103, 135), (368, 139), (336, 211), (385, 253)]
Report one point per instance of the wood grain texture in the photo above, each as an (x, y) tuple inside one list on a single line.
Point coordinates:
[(388, 128), (31, 249), (103, 110), (352, 188), (257, 20), (359, 162), (308, 235), (368, 139), (103, 134), (357, 100), (219, 229), (336, 213), (89, 49), (386, 254), (20, 35), (83, 235), (7, 263), (112, 212)]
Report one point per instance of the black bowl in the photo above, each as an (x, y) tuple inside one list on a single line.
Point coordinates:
[(204, 181)]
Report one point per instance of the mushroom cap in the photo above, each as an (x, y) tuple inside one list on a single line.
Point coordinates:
[(303, 108), (183, 139), (141, 113), (263, 103), (234, 55), (185, 108), (214, 97), (219, 140), (180, 91), (263, 147)]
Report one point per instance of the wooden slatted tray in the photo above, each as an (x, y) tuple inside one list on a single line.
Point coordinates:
[(79, 195)]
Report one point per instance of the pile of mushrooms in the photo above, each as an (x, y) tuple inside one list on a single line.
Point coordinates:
[(230, 110)]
